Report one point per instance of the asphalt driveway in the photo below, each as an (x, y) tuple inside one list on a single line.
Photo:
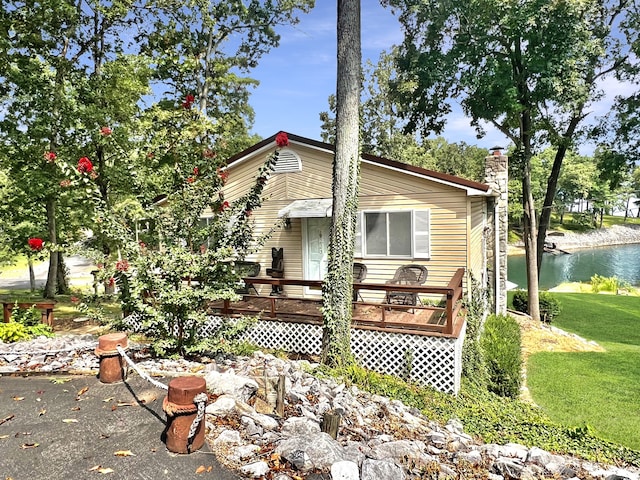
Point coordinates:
[(74, 427)]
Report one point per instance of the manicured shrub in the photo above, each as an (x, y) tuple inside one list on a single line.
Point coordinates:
[(549, 307), (501, 344), (549, 304)]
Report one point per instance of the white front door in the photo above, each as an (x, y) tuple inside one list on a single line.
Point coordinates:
[(316, 248)]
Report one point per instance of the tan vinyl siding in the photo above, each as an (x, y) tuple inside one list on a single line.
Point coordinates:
[(454, 242), (477, 224)]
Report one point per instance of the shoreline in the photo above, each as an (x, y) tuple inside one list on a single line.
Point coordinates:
[(602, 237)]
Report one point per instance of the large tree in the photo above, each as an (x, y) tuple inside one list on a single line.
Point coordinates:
[(529, 68), (337, 291), (74, 78)]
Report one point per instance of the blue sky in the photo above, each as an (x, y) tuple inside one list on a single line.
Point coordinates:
[(297, 78)]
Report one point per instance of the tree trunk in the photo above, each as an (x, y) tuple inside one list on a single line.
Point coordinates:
[(52, 274), (337, 290), (547, 207), (530, 229), (32, 275), (62, 284)]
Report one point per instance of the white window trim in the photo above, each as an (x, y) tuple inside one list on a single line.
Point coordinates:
[(361, 233)]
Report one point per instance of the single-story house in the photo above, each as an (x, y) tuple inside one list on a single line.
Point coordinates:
[(406, 215)]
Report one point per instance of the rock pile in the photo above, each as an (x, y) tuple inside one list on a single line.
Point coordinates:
[(378, 438), (614, 235)]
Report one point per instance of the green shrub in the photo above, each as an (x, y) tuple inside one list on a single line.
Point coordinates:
[(501, 345), (520, 301), (473, 367), (13, 332), (26, 316), (549, 304), (604, 284), (549, 307)]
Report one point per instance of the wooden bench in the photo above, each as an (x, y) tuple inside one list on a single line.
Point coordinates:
[(45, 307)]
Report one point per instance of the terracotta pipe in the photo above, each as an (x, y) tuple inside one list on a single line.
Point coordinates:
[(112, 365), (181, 412)]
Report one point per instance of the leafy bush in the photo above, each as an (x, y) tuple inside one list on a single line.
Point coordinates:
[(473, 363), (549, 305), (169, 280), (501, 345), (15, 332), (604, 284), (26, 316)]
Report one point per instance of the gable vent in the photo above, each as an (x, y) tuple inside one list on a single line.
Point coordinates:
[(288, 161)]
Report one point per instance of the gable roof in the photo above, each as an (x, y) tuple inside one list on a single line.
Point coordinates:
[(472, 187)]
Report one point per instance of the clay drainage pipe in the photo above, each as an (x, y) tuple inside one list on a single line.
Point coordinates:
[(112, 365), (181, 410)]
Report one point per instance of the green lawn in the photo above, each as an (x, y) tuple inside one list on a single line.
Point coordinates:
[(601, 390)]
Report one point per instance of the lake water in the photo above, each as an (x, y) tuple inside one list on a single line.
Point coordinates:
[(622, 261)]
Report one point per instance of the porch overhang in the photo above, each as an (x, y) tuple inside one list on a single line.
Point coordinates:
[(308, 208)]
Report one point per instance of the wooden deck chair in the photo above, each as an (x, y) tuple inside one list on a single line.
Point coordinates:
[(247, 269), (406, 275), (359, 274)]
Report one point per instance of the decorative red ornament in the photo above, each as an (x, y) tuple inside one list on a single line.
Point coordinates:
[(223, 206), (50, 157), (85, 165), (223, 174), (190, 179), (282, 140), (35, 244), (196, 171), (188, 101), (105, 131)]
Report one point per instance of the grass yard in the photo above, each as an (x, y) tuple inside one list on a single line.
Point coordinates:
[(600, 391)]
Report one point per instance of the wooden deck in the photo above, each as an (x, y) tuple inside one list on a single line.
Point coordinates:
[(444, 320)]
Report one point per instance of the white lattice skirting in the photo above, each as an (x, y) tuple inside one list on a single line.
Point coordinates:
[(428, 360)]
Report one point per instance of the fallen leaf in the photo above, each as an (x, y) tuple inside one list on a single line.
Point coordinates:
[(22, 433), (209, 468), (40, 392), (3, 437), (6, 419), (42, 412), (201, 469), (59, 381), (127, 404), (124, 453), (75, 409), (107, 400), (70, 420), (147, 396), (105, 470), (17, 399), (29, 445), (83, 391), (104, 436), (92, 469)]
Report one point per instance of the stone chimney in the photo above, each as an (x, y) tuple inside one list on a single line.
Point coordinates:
[(497, 176)]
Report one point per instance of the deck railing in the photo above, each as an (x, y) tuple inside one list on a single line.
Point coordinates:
[(442, 319)]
